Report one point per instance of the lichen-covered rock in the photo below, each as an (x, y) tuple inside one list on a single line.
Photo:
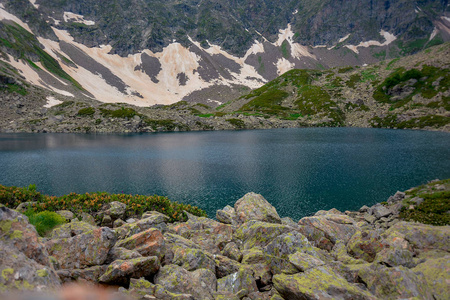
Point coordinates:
[(23, 207), (257, 233), (120, 271), (119, 222), (316, 237), (423, 236), (193, 259), (19, 272), (304, 261), (71, 229), (115, 209), (17, 232), (254, 207), (155, 217), (232, 251), (289, 243), (396, 257), (365, 245), (147, 243), (66, 214), (437, 276), (380, 211), (87, 218), (340, 254), (241, 282), (201, 283), (83, 250), (119, 253), (394, 283), (141, 288), (152, 220), (317, 283), (163, 294), (90, 275), (334, 226), (226, 215), (225, 266)]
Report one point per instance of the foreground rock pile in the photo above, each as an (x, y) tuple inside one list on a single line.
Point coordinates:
[(248, 253)]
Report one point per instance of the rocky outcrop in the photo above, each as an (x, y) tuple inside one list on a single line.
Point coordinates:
[(250, 253)]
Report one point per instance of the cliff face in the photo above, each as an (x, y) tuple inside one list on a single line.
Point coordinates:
[(249, 251)]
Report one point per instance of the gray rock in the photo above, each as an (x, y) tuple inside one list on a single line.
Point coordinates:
[(71, 229), (120, 271), (193, 259), (147, 243), (232, 251), (241, 282), (118, 223), (23, 207), (369, 218), (83, 250), (85, 217), (417, 200), (304, 261), (226, 215), (364, 209), (254, 207), (380, 211), (66, 214)]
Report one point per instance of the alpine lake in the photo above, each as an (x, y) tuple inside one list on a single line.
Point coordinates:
[(299, 171)]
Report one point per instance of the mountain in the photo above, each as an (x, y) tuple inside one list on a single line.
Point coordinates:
[(146, 52), (412, 92)]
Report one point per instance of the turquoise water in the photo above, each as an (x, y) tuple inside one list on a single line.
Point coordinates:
[(299, 171)]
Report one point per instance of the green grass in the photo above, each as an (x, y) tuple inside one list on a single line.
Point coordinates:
[(86, 112), (119, 113), (423, 85), (433, 210), (345, 69), (238, 124), (15, 88), (354, 79), (205, 115), (390, 121), (284, 49), (92, 203), (44, 221)]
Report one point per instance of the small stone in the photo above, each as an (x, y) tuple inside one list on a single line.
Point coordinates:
[(364, 209), (66, 214)]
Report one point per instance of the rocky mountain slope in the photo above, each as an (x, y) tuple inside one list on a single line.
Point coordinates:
[(249, 252), (153, 52), (411, 92)]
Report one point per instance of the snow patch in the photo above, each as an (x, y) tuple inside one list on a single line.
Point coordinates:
[(4, 15), (51, 101), (295, 12), (297, 50), (33, 2), (344, 38), (446, 18), (218, 102), (433, 34), (283, 65), (68, 16), (389, 38)]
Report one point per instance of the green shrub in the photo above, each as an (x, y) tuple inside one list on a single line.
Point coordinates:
[(92, 202), (433, 210), (44, 221), (87, 111), (119, 113), (239, 124)]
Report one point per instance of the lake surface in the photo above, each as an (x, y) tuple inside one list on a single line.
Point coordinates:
[(299, 171)]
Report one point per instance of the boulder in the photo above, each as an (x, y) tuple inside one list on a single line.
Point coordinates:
[(87, 218), (193, 259), (120, 271), (335, 227), (257, 233), (147, 243), (379, 211), (225, 266), (19, 272), (83, 250), (317, 283), (365, 245), (423, 236), (396, 257), (436, 273), (232, 251), (141, 288), (71, 229), (304, 261), (66, 214), (241, 282), (119, 253), (114, 209), (23, 207), (394, 283), (226, 215), (155, 217), (91, 274), (16, 232), (254, 207), (152, 221), (399, 196), (201, 283)]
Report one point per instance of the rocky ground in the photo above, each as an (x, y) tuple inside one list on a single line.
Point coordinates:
[(248, 252)]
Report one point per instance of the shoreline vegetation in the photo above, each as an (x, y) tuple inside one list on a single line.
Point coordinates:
[(147, 247)]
